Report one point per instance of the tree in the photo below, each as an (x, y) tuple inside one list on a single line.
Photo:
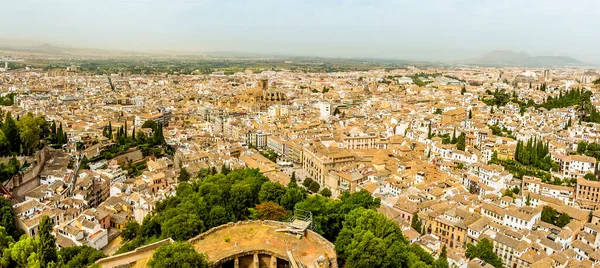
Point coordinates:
[(241, 198), (202, 173), (306, 183), (47, 248), (21, 253), (183, 226), (470, 114), (369, 239), (225, 169), (53, 128), (79, 256), (125, 129), (325, 192), (10, 130), (7, 218), (218, 216), (484, 250), (495, 156), (292, 196), (429, 136), (59, 138), (314, 187), (442, 260), (141, 137), (150, 124), (528, 200), (463, 91), (508, 192), (590, 176), (549, 214), (563, 220), (177, 255), (270, 211), (293, 178), (183, 175), (460, 142), (110, 131), (5, 239), (131, 230), (150, 227), (416, 223), (271, 192)]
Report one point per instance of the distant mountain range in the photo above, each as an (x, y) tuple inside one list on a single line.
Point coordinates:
[(511, 58), (495, 58)]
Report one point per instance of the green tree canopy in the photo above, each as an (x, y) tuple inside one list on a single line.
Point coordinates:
[(292, 196), (183, 175), (271, 191), (149, 124), (177, 255), (314, 187), (7, 218), (325, 192), (183, 226), (131, 230), (369, 239), (484, 250), (78, 256)]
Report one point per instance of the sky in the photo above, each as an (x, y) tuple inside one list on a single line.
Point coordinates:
[(430, 30)]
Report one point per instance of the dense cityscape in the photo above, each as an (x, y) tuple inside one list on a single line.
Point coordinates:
[(299, 134), (441, 166)]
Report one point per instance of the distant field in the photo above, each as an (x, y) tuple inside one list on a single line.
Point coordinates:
[(137, 63)]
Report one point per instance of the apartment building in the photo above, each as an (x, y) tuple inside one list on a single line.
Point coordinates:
[(587, 193), (574, 166), (276, 144), (360, 140), (163, 118), (317, 160)]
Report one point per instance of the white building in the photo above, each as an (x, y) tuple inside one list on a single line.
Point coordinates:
[(325, 110)]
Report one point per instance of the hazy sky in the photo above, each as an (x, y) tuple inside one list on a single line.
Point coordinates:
[(417, 29)]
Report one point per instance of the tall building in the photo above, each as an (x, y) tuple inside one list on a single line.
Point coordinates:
[(547, 75), (263, 84), (325, 110)]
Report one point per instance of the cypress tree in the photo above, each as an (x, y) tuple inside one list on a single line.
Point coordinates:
[(460, 142), (453, 139), (416, 223), (59, 135), (429, 131), (10, 130), (517, 151), (53, 128), (47, 248), (110, 133)]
